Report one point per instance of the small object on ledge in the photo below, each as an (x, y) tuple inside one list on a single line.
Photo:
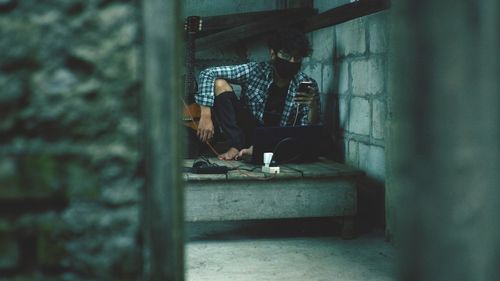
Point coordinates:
[(270, 170), (268, 156)]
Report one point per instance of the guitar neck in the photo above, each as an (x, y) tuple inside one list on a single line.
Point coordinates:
[(193, 25), (190, 79)]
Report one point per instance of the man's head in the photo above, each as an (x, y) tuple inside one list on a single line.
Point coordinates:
[(287, 48)]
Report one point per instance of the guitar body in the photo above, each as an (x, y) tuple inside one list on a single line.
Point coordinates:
[(191, 114)]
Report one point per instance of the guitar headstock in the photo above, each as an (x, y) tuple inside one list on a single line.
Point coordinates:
[(193, 24)]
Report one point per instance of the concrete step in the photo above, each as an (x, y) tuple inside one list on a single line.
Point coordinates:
[(320, 189)]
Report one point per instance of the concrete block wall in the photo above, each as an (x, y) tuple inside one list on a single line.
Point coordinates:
[(350, 64), (361, 58), (349, 61), (363, 100)]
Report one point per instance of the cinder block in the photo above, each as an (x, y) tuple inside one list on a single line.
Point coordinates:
[(372, 161), (343, 111), (343, 76), (314, 70), (350, 38), (378, 119), (377, 29), (322, 43), (359, 116), (367, 76), (328, 78), (352, 153)]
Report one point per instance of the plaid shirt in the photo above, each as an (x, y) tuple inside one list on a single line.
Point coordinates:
[(255, 80)]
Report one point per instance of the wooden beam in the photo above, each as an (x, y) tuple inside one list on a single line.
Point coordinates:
[(285, 18), (215, 24), (163, 204), (345, 13)]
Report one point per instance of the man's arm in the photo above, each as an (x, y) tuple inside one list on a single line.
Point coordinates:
[(237, 74), (205, 97), (205, 129)]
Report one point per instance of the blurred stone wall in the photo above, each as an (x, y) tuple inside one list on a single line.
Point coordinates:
[(69, 91)]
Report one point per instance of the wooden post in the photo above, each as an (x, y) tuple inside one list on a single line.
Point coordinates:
[(163, 208), (443, 182)]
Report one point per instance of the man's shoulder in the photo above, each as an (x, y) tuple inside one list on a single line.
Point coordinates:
[(302, 76), (262, 70), (262, 65)]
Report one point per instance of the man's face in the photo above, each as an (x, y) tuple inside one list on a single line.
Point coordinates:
[(285, 65)]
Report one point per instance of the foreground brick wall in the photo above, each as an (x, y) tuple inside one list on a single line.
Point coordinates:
[(69, 87)]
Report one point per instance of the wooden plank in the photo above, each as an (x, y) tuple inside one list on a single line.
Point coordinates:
[(226, 37), (163, 206), (322, 168), (345, 13), (240, 200)]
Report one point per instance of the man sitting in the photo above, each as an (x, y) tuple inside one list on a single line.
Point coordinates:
[(268, 96)]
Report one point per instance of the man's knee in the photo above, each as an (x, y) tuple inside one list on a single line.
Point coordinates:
[(222, 86)]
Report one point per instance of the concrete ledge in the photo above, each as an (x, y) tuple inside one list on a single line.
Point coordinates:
[(321, 189), (217, 201)]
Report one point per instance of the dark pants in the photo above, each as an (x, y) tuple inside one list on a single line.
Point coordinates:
[(234, 119)]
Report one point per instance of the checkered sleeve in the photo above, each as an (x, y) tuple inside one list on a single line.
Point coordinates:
[(304, 116), (236, 74)]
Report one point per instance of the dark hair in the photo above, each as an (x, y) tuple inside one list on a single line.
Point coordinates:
[(291, 41)]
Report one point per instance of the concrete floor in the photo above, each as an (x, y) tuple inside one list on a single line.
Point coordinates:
[(288, 251)]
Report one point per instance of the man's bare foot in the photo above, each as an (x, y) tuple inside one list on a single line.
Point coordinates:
[(245, 151), (230, 154)]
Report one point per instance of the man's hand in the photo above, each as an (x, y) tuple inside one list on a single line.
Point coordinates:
[(306, 97), (205, 127)]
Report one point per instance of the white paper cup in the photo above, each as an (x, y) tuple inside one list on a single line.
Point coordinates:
[(267, 158)]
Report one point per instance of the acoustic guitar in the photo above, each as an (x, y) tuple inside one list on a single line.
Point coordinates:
[(191, 112)]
